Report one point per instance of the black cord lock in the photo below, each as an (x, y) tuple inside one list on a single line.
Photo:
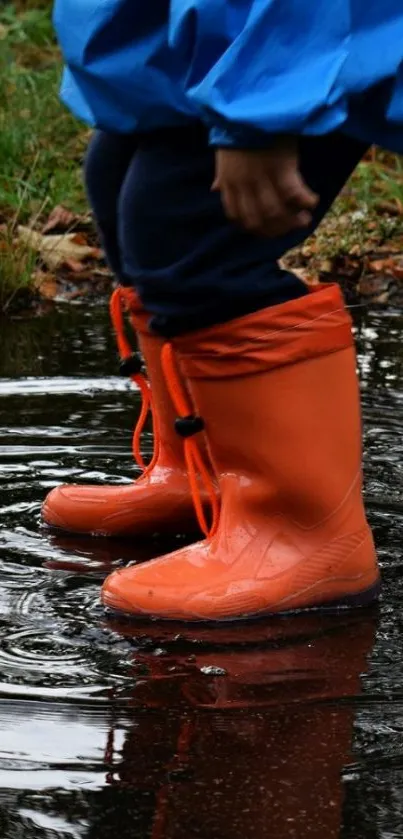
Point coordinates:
[(131, 366), (188, 426)]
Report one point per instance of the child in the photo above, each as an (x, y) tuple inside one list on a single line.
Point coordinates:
[(225, 133)]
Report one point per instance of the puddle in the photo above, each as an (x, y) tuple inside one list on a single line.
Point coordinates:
[(282, 728)]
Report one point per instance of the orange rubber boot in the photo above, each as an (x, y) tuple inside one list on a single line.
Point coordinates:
[(278, 392), (160, 500)]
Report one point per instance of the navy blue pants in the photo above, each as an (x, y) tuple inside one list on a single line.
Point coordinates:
[(165, 232)]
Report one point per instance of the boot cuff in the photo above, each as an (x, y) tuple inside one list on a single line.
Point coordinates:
[(310, 326)]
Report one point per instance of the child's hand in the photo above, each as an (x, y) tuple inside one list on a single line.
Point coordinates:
[(263, 189)]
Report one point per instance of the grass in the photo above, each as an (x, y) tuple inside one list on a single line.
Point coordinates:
[(41, 149), (370, 207), (41, 145)]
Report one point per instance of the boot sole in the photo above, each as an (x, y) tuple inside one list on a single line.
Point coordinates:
[(351, 601)]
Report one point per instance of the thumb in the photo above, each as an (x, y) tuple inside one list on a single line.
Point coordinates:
[(295, 192), (309, 198)]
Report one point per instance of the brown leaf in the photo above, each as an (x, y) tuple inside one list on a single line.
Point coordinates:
[(309, 248), (393, 208), (75, 266), (89, 274), (389, 265), (45, 284), (74, 295), (394, 247), (355, 250), (305, 274), (382, 298), (326, 266), (381, 266), (60, 219), (397, 271), (372, 286), (58, 250), (79, 239)]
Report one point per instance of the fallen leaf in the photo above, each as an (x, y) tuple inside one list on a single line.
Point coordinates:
[(59, 218), (381, 266), (393, 208), (91, 274), (326, 266), (382, 298), (58, 250), (45, 284), (74, 266), (79, 239), (305, 274), (397, 271), (309, 249), (355, 250), (374, 286), (394, 247), (73, 295)]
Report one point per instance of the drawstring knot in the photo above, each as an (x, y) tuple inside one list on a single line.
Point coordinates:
[(131, 365), (187, 425)]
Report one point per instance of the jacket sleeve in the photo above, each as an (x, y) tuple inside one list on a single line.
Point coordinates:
[(120, 74), (72, 96), (259, 67)]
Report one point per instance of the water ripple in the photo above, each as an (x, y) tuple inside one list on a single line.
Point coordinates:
[(108, 725)]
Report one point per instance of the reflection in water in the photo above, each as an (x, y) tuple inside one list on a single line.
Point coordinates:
[(281, 728), (247, 739), (63, 340)]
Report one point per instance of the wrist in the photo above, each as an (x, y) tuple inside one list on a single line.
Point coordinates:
[(245, 139)]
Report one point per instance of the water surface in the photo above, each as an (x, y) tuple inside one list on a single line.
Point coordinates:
[(283, 728)]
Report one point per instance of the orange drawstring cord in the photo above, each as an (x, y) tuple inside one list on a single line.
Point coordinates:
[(193, 458), (120, 299)]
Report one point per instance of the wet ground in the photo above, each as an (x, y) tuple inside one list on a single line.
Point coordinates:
[(284, 728)]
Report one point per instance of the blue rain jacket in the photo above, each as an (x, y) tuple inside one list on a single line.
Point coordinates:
[(121, 74), (248, 68)]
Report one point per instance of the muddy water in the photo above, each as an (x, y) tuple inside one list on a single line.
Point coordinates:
[(284, 728)]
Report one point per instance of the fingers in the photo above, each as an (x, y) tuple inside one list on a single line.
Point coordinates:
[(276, 218), (251, 214), (294, 191), (264, 191), (229, 198), (263, 211)]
